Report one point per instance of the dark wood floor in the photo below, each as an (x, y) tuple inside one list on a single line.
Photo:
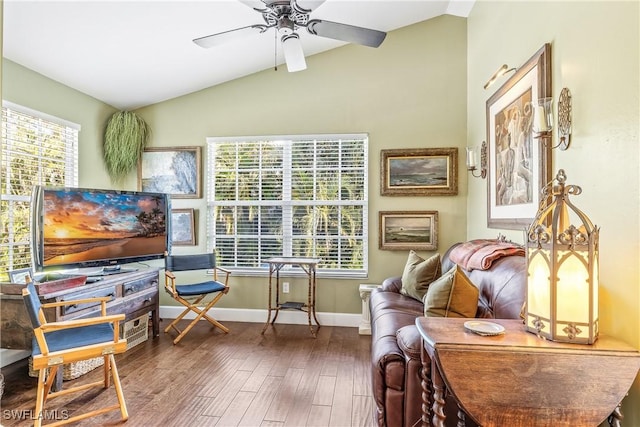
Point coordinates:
[(282, 378)]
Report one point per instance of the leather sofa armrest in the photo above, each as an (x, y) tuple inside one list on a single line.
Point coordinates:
[(392, 284), (409, 341)]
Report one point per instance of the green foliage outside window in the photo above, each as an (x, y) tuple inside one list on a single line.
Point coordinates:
[(35, 151)]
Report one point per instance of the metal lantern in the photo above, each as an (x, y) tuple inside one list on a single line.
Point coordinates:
[(562, 268)]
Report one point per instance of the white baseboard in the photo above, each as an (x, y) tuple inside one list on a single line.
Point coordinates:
[(260, 316)]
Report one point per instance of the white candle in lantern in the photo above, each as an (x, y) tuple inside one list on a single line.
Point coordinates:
[(471, 158), (541, 119)]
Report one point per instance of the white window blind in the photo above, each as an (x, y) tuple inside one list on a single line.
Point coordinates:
[(302, 196), (37, 149)]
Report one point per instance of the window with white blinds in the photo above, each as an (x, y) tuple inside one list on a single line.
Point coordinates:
[(37, 149), (303, 196)]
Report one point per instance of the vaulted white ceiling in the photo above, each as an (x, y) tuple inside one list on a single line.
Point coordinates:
[(129, 54)]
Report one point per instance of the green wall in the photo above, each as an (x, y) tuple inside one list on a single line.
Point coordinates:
[(23, 86), (410, 92), (595, 53)]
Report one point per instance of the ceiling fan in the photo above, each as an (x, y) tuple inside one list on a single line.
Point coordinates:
[(287, 16)]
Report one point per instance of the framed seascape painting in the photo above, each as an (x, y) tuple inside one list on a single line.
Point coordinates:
[(419, 172), (173, 170), (183, 226), (405, 230), (519, 165)]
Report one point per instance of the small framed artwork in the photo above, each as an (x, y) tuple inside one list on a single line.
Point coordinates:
[(20, 275), (173, 170), (519, 164), (183, 225), (405, 230), (419, 172)]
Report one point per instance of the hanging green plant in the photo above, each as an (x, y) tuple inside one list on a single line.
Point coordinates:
[(125, 137)]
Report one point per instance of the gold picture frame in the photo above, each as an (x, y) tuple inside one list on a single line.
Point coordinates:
[(172, 170), (406, 230), (519, 165), (419, 172)]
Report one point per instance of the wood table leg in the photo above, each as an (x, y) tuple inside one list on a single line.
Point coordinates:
[(269, 301), (426, 386), (310, 303), (439, 391), (314, 282), (155, 323), (57, 384)]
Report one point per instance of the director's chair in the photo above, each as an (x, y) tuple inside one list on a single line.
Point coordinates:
[(58, 343), (190, 295)]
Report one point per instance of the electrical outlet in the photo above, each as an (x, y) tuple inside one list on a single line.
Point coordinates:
[(285, 287)]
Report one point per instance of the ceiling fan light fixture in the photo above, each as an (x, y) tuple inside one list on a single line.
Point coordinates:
[(289, 16), (293, 53)]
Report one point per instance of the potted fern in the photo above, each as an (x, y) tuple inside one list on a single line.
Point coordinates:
[(125, 137)]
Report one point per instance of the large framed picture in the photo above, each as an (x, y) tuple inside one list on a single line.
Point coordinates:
[(419, 172), (405, 230), (519, 165), (172, 170), (183, 226)]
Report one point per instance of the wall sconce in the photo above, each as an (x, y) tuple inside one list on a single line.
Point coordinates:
[(501, 72), (472, 162), (543, 119), (562, 269)]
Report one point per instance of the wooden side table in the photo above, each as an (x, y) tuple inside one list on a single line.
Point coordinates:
[(517, 379), (308, 265)]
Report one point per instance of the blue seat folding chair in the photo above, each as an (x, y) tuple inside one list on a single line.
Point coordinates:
[(59, 343), (190, 295)]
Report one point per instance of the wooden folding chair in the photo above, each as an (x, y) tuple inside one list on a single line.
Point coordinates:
[(190, 295), (59, 343)]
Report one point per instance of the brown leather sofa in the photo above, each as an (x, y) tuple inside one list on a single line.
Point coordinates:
[(395, 345)]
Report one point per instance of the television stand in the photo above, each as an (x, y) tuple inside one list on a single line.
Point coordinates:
[(135, 294)]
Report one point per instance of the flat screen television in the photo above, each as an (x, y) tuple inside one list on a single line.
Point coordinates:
[(80, 228)]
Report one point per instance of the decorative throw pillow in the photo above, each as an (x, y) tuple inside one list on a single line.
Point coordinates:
[(418, 275), (452, 295)]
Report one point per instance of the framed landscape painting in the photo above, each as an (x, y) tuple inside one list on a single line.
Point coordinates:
[(183, 227), (173, 170), (406, 230), (519, 165), (419, 172)]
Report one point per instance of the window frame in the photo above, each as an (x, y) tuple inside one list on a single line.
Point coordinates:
[(69, 145), (263, 270)]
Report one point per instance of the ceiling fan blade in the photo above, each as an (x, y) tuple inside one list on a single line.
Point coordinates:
[(254, 4), (347, 33), (228, 36), (306, 6), (293, 53)]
